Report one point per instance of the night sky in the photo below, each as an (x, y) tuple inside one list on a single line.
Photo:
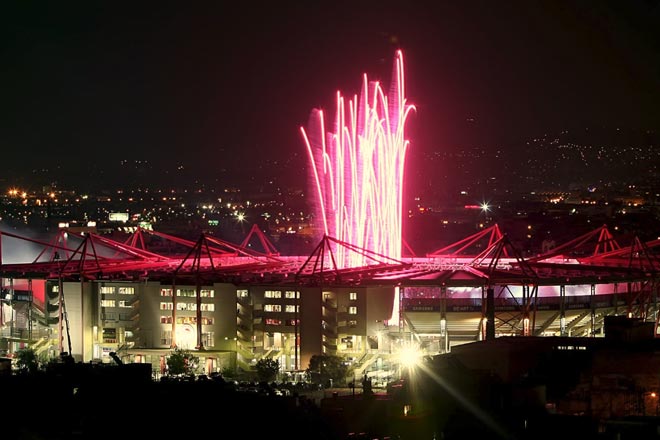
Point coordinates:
[(213, 86)]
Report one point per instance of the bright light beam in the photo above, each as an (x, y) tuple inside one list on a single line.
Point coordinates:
[(466, 403)]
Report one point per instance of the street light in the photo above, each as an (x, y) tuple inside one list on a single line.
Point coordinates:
[(652, 398)]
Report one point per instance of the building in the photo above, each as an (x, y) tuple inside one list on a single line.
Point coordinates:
[(235, 306)]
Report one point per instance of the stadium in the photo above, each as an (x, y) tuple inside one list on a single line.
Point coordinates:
[(356, 295)]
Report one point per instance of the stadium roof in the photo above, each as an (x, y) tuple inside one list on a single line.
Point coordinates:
[(485, 258)]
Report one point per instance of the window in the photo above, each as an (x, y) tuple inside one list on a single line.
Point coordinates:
[(206, 293), (108, 303), (290, 308), (352, 323), (166, 337), (166, 306), (107, 289), (242, 293), (124, 304), (191, 307), (292, 322), (165, 292), (207, 308), (273, 294), (127, 290), (352, 296), (273, 321), (272, 308), (190, 293), (186, 320), (291, 294), (164, 319), (352, 310), (56, 289), (208, 339), (110, 335)]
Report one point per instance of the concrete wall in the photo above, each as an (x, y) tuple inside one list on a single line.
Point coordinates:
[(310, 324)]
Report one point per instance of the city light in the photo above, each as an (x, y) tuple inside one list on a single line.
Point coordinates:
[(358, 168)]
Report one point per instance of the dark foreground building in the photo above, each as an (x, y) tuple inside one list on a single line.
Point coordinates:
[(520, 388)]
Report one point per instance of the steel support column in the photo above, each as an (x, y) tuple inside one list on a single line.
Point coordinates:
[(173, 336), (592, 293), (198, 314), (562, 310), (490, 313)]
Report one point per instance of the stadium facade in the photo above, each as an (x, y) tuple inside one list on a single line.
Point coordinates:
[(89, 295)]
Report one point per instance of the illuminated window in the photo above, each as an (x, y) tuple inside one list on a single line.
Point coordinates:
[(291, 294), (273, 294), (290, 308), (127, 290), (165, 319), (107, 289), (110, 335), (242, 293), (208, 339), (166, 306), (207, 308), (186, 320), (190, 293), (352, 296), (273, 321), (352, 310), (166, 337), (272, 308), (352, 323), (191, 307), (206, 293), (165, 292), (108, 303), (56, 289), (124, 304)]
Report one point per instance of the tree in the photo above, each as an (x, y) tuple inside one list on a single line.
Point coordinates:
[(228, 372), (267, 369), (26, 360), (182, 361), (327, 367)]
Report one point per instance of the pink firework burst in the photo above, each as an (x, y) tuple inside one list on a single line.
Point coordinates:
[(358, 169)]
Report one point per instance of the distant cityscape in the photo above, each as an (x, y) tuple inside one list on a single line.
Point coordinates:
[(558, 189), (581, 180)]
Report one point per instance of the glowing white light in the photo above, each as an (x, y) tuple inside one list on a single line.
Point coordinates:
[(410, 355), (186, 336)]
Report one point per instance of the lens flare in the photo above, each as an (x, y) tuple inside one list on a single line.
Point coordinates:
[(358, 169), (410, 355)]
